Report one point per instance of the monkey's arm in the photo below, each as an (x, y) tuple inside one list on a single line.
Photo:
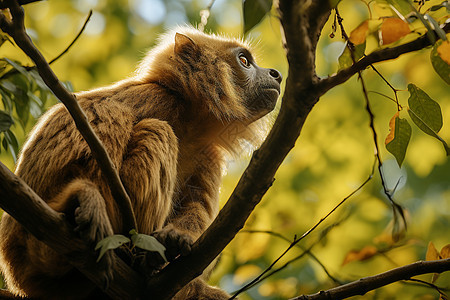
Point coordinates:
[(149, 172), (196, 206)]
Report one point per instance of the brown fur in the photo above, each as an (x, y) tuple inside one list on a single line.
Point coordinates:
[(166, 131)]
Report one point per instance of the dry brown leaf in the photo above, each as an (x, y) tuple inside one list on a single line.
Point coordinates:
[(432, 253), (360, 255), (359, 34), (392, 30), (391, 134), (444, 51), (445, 252)]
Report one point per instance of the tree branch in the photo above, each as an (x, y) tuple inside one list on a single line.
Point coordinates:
[(298, 100), (16, 30), (74, 40), (364, 285), (375, 57), (50, 227)]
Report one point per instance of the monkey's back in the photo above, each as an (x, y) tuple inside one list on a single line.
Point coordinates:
[(56, 153)]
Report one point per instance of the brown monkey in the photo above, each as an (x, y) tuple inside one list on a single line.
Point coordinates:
[(167, 129)]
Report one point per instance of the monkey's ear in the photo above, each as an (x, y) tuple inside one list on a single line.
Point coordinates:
[(185, 46)]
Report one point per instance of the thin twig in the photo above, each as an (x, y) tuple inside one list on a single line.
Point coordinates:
[(433, 286), (29, 68), (297, 240), (399, 107), (397, 209), (306, 251), (74, 40)]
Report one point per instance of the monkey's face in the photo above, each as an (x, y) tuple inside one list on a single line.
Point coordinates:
[(218, 77), (261, 86)]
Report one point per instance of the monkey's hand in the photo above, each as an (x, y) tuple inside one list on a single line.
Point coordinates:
[(176, 243), (93, 225)]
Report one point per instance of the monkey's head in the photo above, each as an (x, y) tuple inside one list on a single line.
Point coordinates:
[(216, 76)]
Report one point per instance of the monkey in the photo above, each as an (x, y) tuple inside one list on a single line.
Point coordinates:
[(168, 129)]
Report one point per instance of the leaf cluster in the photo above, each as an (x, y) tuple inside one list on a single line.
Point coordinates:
[(23, 94), (395, 26), (142, 241)]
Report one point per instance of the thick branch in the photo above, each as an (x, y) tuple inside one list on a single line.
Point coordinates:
[(16, 30), (298, 100), (50, 227), (364, 285)]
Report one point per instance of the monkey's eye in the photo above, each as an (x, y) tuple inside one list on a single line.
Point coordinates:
[(244, 60)]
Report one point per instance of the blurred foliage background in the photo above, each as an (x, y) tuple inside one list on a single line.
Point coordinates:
[(334, 155)]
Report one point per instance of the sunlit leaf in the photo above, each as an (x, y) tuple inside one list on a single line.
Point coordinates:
[(445, 252), (398, 139), (110, 243), (425, 113), (346, 59), (432, 253), (393, 29), (360, 255), (5, 121), (426, 109), (148, 242), (254, 12), (440, 59), (445, 4), (359, 34)]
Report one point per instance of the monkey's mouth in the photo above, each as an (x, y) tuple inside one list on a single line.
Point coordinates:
[(272, 92)]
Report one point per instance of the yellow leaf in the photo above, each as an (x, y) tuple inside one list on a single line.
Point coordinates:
[(391, 134), (445, 252), (359, 34), (432, 253), (444, 51), (360, 255), (392, 30)]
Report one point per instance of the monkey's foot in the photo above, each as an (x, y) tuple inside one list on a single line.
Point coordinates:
[(93, 225), (175, 241)]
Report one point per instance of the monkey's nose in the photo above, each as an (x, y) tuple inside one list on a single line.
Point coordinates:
[(276, 75)]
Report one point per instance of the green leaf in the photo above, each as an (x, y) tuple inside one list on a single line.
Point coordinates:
[(5, 121), (12, 143), (346, 60), (398, 139), (8, 86), (441, 67), (148, 242), (6, 99), (425, 113), (18, 67), (110, 243), (254, 12)]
